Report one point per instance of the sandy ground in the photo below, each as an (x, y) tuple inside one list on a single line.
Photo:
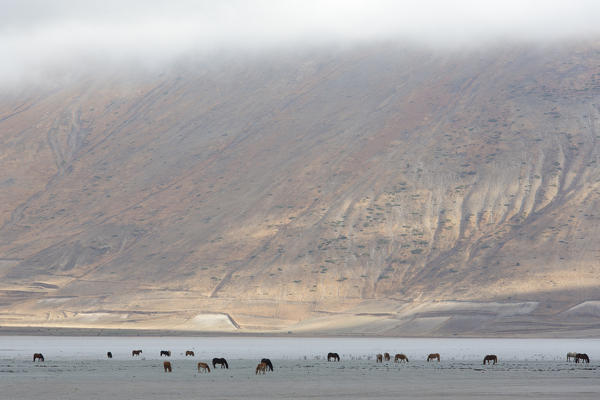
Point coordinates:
[(303, 379)]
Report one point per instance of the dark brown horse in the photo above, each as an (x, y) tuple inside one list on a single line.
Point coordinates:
[(386, 356), (379, 358), (490, 358), (135, 353), (189, 353), (433, 356), (167, 366), (203, 367), (166, 353), (268, 362), (583, 357), (221, 361), (333, 357), (261, 368), (400, 357), (38, 356), (109, 354)]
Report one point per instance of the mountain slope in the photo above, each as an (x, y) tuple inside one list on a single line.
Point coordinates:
[(376, 189)]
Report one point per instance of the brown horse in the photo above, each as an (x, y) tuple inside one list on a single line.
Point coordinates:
[(38, 356), (490, 358), (333, 357), (221, 361), (261, 368), (166, 353), (379, 358), (433, 356), (268, 362), (583, 357), (167, 366), (109, 354), (386, 356), (400, 357), (203, 367), (135, 353), (189, 353)]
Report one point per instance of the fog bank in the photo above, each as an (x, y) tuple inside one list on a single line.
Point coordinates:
[(41, 38)]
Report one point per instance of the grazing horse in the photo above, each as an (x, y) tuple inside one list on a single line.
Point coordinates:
[(261, 368), (386, 356), (189, 353), (221, 361), (203, 367), (268, 362), (433, 356), (135, 353), (379, 358), (38, 356), (400, 357), (167, 366), (109, 354), (333, 357), (571, 355), (166, 353), (490, 358), (583, 357)]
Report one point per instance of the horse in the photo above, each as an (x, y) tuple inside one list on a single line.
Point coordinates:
[(433, 356), (167, 366), (268, 362), (135, 353), (220, 361), (379, 358), (166, 353), (489, 358), (333, 357), (109, 354), (261, 368), (400, 357), (571, 355), (386, 356), (189, 353), (583, 357), (203, 367), (38, 356)]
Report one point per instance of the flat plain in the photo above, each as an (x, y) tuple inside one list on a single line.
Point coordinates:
[(77, 368)]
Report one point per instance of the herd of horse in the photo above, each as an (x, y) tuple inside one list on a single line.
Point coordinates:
[(266, 365)]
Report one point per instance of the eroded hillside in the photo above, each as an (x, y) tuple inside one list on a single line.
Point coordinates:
[(373, 190)]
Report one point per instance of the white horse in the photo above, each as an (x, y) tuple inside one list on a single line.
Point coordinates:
[(571, 355)]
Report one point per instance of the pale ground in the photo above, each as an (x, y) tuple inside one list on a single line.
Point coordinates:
[(76, 368), (310, 379)]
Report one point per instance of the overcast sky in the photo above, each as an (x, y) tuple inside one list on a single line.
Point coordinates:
[(37, 36)]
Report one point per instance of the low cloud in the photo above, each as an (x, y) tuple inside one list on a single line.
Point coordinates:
[(38, 38)]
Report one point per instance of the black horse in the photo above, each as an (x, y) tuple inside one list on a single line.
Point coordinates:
[(166, 353), (109, 354), (333, 357), (38, 356), (583, 357), (220, 361), (268, 362)]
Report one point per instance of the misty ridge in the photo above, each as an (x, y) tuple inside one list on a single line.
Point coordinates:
[(53, 43)]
